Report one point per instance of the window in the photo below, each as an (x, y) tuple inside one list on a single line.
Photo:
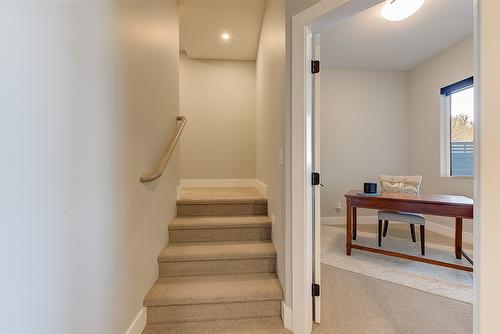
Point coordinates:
[(458, 129)]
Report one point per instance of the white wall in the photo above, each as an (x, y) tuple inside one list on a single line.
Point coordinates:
[(364, 126), (89, 96), (425, 81), (270, 133), (218, 99), (487, 229)]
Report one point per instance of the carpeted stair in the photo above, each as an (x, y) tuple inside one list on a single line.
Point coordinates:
[(217, 275)]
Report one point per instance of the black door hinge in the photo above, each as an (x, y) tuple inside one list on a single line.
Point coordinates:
[(315, 290), (314, 66), (316, 179)]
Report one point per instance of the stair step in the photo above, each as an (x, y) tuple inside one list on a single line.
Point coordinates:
[(200, 298), (221, 202), (216, 258), (241, 326), (215, 209), (220, 195), (214, 289), (204, 229), (219, 222), (217, 251)]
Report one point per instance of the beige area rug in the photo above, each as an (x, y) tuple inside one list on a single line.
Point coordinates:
[(451, 283)]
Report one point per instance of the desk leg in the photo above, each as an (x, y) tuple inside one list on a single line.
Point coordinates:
[(458, 238), (348, 241), (354, 223)]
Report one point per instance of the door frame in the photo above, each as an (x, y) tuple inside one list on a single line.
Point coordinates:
[(316, 167), (306, 23)]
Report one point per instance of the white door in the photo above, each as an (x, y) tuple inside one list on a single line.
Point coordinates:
[(316, 279)]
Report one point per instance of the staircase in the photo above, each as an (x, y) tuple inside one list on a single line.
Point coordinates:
[(217, 275)]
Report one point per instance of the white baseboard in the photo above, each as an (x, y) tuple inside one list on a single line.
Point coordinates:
[(223, 183), (286, 316), (139, 322), (261, 187), (217, 183), (178, 192), (449, 231), (341, 220), (431, 226)]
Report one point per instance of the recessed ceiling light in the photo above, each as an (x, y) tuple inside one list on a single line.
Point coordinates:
[(397, 10), (225, 36)]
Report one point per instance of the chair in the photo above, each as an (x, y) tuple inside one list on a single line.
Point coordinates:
[(401, 184)]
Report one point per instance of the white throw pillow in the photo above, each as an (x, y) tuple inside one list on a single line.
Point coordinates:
[(400, 184)]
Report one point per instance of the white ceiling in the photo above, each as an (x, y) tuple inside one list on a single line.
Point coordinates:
[(203, 21), (367, 41)]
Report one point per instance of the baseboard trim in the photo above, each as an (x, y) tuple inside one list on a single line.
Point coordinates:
[(341, 220), (223, 183), (261, 187), (431, 226), (139, 323), (286, 316), (216, 183), (449, 231), (178, 192)]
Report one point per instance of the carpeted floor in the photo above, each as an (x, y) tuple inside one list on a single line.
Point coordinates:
[(354, 303), (451, 283)]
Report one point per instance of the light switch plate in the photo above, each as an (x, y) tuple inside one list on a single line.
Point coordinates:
[(281, 157)]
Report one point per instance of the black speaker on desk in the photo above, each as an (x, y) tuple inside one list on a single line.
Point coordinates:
[(370, 188)]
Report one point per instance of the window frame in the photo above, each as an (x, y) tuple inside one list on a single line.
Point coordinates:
[(445, 140)]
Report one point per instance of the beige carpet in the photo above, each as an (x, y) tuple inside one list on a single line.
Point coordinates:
[(240, 326), (442, 281), (232, 195), (357, 304)]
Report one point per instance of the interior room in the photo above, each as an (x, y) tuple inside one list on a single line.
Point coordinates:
[(397, 99)]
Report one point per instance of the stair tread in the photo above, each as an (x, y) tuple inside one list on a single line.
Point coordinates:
[(220, 196), (217, 251), (214, 289), (186, 223), (242, 326)]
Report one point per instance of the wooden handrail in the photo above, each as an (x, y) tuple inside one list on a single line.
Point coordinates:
[(165, 156)]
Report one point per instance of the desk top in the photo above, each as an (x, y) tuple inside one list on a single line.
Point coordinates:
[(420, 198)]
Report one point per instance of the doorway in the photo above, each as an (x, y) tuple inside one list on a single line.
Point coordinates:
[(306, 220)]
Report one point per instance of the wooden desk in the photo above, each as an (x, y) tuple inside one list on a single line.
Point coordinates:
[(459, 207)]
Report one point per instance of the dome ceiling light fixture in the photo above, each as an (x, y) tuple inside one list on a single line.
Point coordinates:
[(398, 10)]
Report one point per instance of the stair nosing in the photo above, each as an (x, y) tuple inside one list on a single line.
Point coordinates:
[(222, 256), (213, 227), (222, 201), (228, 222), (219, 259)]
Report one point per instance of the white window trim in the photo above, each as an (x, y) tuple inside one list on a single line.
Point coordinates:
[(445, 136), (445, 140)]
